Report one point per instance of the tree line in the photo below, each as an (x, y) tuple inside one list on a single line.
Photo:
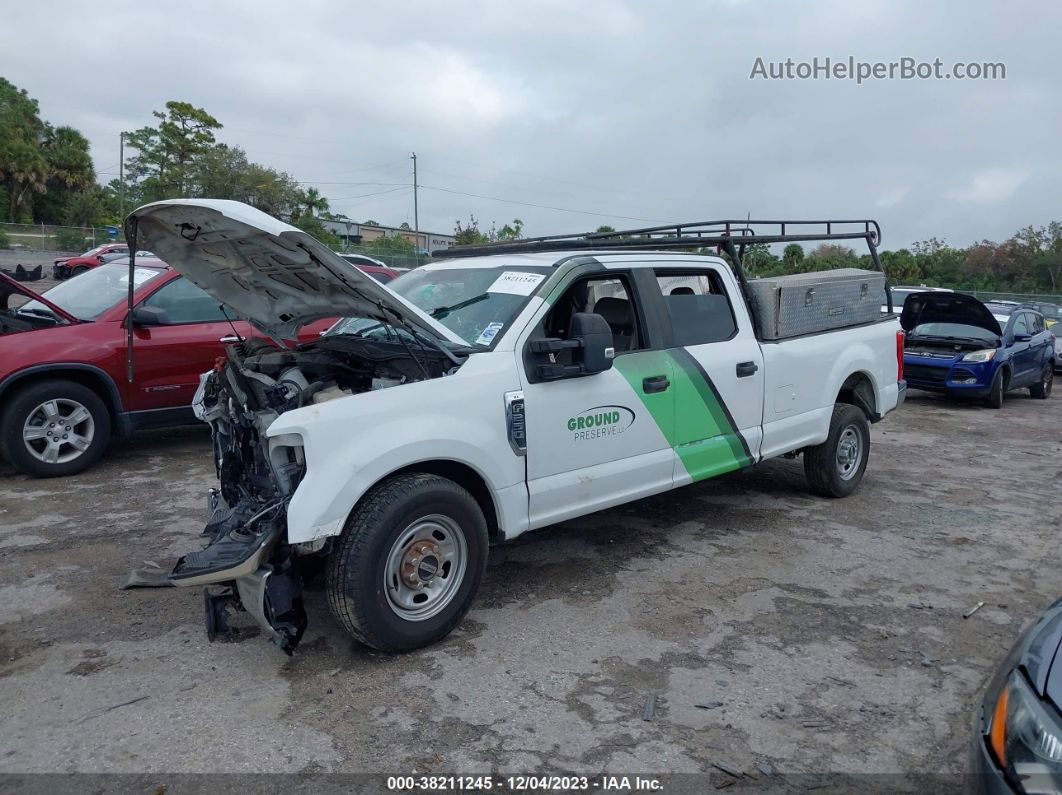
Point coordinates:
[(47, 176), (1030, 261)]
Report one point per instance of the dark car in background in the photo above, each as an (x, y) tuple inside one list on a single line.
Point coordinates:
[(958, 345), (1017, 745)]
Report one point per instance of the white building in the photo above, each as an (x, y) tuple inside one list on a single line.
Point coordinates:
[(356, 234)]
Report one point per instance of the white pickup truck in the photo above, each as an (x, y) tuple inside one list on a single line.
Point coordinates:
[(477, 398)]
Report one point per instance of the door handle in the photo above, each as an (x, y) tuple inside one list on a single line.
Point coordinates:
[(745, 369), (655, 383), (228, 339)]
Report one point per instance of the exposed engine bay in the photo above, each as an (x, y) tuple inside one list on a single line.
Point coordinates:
[(246, 559), (945, 348)]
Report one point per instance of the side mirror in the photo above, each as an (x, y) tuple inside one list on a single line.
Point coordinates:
[(595, 352), (590, 343), (149, 316)]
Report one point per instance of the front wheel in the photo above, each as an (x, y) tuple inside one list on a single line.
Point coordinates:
[(409, 562), (996, 391), (54, 428), (1042, 388), (835, 468)]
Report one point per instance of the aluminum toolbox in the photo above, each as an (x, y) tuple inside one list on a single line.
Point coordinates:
[(788, 306)]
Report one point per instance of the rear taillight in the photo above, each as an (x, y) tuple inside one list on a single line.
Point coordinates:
[(899, 356)]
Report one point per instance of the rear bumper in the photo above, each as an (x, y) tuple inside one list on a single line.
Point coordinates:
[(901, 393)]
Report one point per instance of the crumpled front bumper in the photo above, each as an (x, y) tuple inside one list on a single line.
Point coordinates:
[(273, 600), (247, 568)]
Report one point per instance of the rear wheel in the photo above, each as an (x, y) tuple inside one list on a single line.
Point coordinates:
[(835, 468), (54, 428), (409, 562), (1042, 388), (995, 391)]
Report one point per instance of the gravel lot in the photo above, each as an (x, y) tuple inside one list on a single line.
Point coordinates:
[(771, 626)]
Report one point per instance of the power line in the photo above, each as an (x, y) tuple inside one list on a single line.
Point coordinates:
[(377, 193), (319, 182), (542, 206)]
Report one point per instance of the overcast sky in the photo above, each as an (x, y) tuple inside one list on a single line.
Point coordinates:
[(627, 112)]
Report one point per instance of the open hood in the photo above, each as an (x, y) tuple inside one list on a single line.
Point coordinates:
[(275, 276), (9, 287), (938, 307)]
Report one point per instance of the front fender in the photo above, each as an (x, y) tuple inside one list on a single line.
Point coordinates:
[(352, 443)]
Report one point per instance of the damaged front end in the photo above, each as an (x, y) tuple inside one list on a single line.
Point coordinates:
[(246, 563)]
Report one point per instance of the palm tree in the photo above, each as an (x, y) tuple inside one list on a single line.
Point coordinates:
[(314, 202)]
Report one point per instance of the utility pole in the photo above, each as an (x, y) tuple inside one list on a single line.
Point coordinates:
[(416, 217), (121, 175)]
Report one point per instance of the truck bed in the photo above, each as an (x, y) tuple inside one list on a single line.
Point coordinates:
[(802, 377)]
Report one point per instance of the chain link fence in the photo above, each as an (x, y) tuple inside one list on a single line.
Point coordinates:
[(45, 237), (1022, 298)]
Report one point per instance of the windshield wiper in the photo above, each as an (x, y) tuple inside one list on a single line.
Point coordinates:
[(443, 311), (45, 313)]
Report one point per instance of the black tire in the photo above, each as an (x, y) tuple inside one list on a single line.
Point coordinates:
[(1042, 388), (356, 568), (23, 406), (78, 271), (822, 465), (996, 391)]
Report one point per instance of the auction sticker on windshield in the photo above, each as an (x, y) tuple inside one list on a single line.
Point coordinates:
[(489, 333), (516, 283)]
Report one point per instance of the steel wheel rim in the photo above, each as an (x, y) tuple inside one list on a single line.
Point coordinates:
[(57, 431), (849, 451), (425, 567)]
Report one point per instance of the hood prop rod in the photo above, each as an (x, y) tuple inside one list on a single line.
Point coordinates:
[(130, 239)]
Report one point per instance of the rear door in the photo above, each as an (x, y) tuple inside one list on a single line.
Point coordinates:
[(604, 439), (1025, 352), (718, 372), (1042, 344)]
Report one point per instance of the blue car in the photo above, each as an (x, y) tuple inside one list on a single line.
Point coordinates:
[(955, 344)]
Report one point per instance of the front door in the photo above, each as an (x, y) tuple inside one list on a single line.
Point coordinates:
[(169, 358), (599, 440)]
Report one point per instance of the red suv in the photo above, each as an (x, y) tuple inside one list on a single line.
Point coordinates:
[(63, 361), (66, 267)]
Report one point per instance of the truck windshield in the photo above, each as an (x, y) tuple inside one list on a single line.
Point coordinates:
[(477, 304), (89, 295)]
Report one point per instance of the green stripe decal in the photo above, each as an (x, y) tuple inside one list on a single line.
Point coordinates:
[(661, 405), (691, 414), (713, 403)]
